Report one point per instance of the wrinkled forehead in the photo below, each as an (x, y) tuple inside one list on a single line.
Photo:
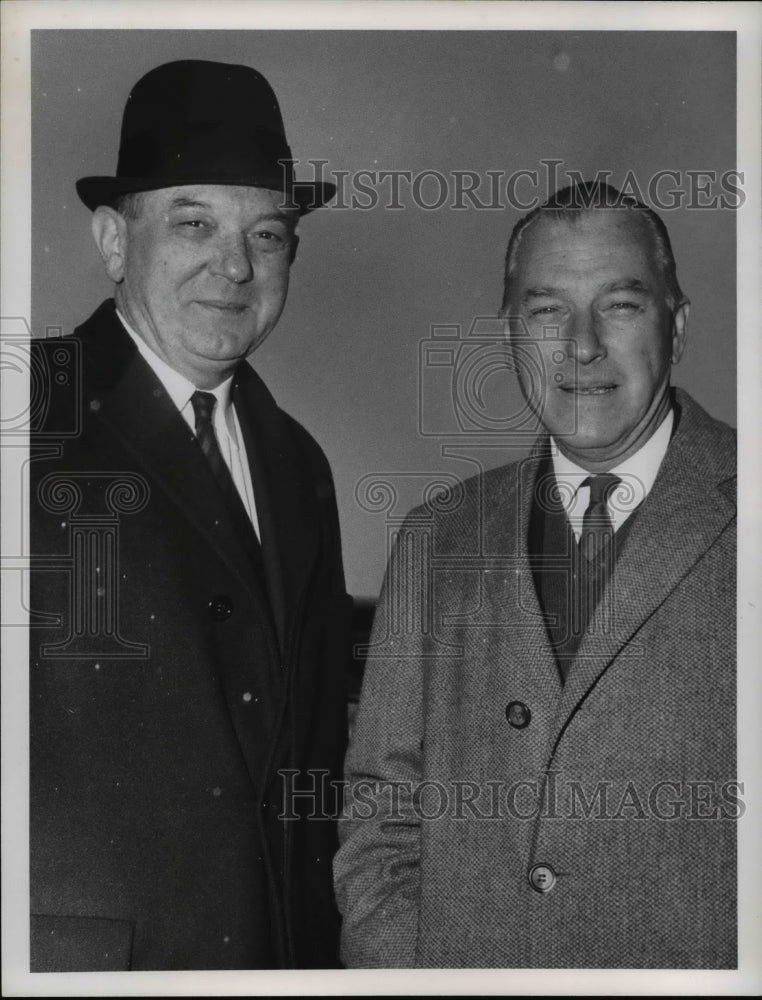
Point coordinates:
[(221, 198), (586, 246)]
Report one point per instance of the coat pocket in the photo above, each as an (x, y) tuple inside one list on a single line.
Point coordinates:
[(80, 944)]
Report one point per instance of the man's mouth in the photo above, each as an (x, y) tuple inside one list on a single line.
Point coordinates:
[(223, 305), (602, 389)]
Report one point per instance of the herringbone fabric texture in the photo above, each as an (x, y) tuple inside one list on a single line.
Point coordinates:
[(623, 779)]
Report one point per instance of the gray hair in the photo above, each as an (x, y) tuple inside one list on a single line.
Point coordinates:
[(570, 203), (129, 206)]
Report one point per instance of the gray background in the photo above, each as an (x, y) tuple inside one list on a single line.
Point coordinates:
[(368, 285)]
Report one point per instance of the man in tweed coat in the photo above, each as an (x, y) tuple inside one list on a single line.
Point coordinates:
[(542, 772)]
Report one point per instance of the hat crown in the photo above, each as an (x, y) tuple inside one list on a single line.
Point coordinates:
[(199, 92), (200, 122), (213, 121)]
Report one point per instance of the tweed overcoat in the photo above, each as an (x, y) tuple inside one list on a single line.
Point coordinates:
[(167, 692), (620, 785)]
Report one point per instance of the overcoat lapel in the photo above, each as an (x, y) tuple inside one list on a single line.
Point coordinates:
[(131, 402), (518, 609), (284, 496), (685, 512), (127, 400)]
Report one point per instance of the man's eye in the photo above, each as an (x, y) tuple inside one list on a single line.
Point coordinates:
[(543, 310), (193, 223), (268, 241), (624, 306)]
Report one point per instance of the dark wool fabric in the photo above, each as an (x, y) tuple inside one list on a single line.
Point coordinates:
[(165, 697)]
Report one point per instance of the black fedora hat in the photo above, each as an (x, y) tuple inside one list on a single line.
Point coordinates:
[(200, 122)]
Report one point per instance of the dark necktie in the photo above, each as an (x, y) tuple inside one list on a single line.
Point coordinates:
[(597, 553), (597, 527), (203, 408), (570, 587)]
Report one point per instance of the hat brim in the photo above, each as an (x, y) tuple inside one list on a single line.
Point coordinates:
[(95, 191)]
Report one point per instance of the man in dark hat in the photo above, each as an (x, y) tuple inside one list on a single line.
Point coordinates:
[(187, 674), (543, 766)]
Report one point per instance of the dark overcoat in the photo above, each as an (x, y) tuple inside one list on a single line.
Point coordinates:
[(177, 691), (586, 825)]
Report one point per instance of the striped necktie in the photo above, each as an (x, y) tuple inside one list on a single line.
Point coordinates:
[(597, 526), (203, 408)]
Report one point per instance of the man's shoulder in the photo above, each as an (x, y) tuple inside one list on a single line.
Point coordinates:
[(101, 321), (99, 347), (307, 444), (67, 372), (707, 445), (267, 411), (313, 459), (499, 488)]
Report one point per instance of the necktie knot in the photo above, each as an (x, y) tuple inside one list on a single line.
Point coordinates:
[(203, 407), (597, 528), (601, 487)]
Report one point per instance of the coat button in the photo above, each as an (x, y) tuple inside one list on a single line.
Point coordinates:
[(220, 608), (542, 878), (517, 714)]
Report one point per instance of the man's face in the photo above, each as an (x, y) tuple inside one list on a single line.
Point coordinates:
[(604, 387), (203, 273)]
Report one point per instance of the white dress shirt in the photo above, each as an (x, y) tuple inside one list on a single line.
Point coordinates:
[(638, 473), (224, 419)]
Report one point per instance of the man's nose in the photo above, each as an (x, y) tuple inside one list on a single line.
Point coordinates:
[(587, 339), (232, 260)]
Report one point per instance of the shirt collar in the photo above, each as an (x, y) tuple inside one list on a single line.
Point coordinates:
[(638, 472), (178, 388)]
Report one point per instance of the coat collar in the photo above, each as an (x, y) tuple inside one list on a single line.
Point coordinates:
[(690, 505), (123, 393)]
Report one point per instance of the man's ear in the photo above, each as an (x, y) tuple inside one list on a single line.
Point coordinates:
[(294, 246), (110, 235), (680, 329)]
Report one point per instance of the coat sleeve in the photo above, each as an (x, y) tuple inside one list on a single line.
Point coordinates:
[(377, 868)]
